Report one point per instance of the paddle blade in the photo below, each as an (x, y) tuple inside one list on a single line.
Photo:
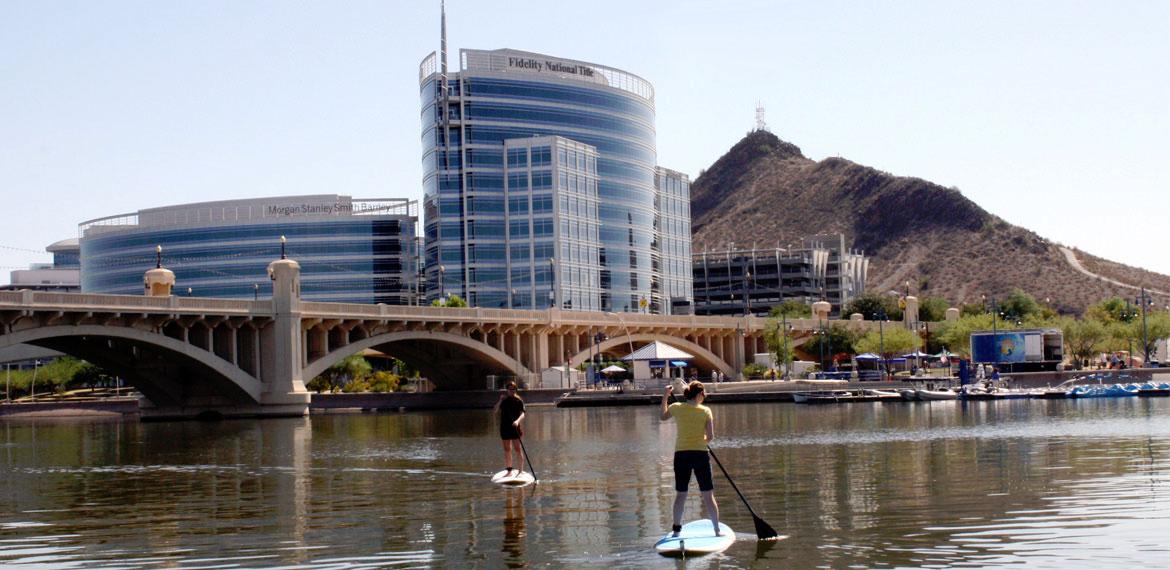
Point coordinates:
[(764, 531)]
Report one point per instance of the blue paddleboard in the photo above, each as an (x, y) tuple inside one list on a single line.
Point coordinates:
[(696, 538)]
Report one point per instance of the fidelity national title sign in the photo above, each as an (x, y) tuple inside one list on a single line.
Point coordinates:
[(512, 61), (549, 66)]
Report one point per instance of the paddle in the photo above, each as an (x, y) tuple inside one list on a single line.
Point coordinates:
[(764, 531), (529, 460)]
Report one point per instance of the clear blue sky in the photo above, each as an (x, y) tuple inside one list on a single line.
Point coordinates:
[(1052, 115)]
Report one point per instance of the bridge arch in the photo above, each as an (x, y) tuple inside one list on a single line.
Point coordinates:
[(706, 359), (417, 349), (153, 378)]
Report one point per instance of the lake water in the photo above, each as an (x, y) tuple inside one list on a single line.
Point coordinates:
[(1041, 484)]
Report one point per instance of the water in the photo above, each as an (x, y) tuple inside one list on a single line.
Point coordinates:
[(1040, 484)]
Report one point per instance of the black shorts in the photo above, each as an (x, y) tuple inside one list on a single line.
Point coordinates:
[(687, 461), (509, 432)]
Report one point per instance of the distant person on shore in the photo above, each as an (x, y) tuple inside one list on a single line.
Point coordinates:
[(510, 410), (696, 429)]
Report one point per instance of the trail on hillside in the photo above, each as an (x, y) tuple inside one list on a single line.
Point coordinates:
[(1071, 257)]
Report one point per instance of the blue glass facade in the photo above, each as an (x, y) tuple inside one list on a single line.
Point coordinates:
[(345, 255), (503, 96)]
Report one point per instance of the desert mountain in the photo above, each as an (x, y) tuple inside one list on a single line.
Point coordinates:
[(764, 191)]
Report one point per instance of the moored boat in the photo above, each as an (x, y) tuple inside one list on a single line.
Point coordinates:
[(937, 394)]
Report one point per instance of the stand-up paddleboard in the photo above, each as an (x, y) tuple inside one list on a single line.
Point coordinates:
[(515, 478), (696, 539)]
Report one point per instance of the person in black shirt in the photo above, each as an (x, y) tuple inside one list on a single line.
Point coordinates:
[(510, 409)]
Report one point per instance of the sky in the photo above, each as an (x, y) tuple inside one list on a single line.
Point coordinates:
[(1052, 115)]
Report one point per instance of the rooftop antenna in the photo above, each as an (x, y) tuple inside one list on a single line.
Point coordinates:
[(443, 41), (443, 84), (761, 124)]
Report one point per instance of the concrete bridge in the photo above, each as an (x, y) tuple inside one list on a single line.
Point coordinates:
[(250, 358)]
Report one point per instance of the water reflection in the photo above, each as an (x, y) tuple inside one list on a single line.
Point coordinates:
[(1045, 483)]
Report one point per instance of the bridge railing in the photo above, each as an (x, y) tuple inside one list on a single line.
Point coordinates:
[(91, 301)]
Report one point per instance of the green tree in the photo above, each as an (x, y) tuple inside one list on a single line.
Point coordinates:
[(972, 309), (1112, 310), (894, 339), (872, 305), (933, 309), (836, 340), (1083, 338), (453, 301), (791, 309), (350, 369), (956, 336), (779, 343), (1018, 306), (383, 381)]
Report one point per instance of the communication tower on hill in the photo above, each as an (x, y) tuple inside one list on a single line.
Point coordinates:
[(761, 124)]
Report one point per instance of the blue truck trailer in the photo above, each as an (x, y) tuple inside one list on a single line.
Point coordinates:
[(1020, 350)]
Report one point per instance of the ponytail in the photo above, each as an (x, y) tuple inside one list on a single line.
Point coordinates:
[(693, 389)]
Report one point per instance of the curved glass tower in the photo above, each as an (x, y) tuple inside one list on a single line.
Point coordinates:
[(353, 251), (489, 236)]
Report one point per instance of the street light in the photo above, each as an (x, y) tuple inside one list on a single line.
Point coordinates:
[(189, 292), (881, 319), (255, 291), (1144, 301), (442, 283), (282, 251), (552, 292), (629, 340), (32, 387), (747, 295), (786, 328), (512, 299), (994, 332)]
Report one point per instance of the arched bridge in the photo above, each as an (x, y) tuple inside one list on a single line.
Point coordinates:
[(241, 357)]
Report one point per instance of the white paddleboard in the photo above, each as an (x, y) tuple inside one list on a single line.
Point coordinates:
[(696, 539), (514, 478)]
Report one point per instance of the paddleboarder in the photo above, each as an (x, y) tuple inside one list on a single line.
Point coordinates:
[(510, 409), (696, 429)]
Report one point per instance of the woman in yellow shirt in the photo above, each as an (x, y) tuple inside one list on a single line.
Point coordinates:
[(695, 430)]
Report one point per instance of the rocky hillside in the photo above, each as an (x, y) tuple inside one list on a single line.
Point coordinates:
[(764, 191)]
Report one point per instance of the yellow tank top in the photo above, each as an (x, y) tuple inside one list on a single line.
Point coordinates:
[(692, 426)]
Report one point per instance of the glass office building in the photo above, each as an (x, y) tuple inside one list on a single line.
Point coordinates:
[(353, 251), (603, 120)]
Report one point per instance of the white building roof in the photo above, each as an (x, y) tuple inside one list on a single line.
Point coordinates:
[(658, 351)]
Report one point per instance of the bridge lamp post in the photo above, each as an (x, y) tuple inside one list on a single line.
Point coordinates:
[(821, 345), (442, 283), (255, 291), (189, 292), (283, 255), (629, 338), (747, 293), (512, 299), (881, 319), (552, 291)]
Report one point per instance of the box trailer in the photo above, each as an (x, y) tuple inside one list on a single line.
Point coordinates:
[(1020, 350)]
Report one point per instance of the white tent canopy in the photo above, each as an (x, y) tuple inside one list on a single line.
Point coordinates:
[(657, 351), (612, 369)]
